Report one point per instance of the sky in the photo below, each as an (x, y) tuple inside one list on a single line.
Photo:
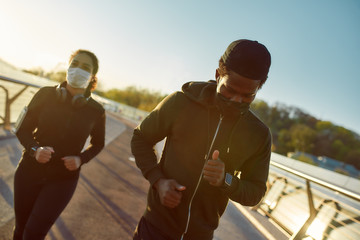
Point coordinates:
[(160, 45)]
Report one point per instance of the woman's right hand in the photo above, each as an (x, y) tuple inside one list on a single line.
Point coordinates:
[(43, 154)]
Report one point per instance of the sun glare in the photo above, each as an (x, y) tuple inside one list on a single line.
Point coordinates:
[(316, 229)]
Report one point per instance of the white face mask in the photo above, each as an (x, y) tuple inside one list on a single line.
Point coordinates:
[(78, 78)]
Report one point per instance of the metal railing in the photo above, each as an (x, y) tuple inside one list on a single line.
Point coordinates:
[(19, 93), (309, 208), (11, 95)]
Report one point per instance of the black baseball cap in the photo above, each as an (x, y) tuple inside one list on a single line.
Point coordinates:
[(248, 58)]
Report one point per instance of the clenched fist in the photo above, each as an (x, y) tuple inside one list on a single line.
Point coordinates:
[(170, 192), (43, 154), (72, 162)]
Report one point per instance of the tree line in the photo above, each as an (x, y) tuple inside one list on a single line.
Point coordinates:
[(140, 98), (292, 129), (295, 130)]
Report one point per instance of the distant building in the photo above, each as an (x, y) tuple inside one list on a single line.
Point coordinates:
[(328, 163)]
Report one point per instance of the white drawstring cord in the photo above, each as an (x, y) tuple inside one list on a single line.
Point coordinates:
[(198, 183)]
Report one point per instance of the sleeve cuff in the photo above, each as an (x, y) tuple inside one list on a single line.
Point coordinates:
[(31, 145), (154, 175), (228, 190), (83, 158)]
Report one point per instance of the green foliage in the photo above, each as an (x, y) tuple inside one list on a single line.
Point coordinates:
[(305, 159), (284, 145), (35, 71), (58, 76), (324, 126), (302, 137), (136, 97), (352, 157), (294, 130)]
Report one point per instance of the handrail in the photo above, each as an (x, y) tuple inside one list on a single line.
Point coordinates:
[(317, 181), (19, 82), (10, 100), (308, 221)]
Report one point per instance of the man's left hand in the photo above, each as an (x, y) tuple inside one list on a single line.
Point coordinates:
[(72, 162), (214, 170)]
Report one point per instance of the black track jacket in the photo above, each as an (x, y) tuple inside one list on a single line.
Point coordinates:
[(188, 120), (50, 122)]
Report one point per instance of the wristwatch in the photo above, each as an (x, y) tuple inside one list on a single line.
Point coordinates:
[(228, 179), (32, 151)]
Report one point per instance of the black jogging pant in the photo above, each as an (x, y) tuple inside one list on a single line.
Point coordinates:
[(38, 204)]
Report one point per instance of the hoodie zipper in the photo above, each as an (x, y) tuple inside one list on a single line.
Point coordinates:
[(199, 180)]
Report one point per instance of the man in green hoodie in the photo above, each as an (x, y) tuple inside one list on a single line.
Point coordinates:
[(216, 149)]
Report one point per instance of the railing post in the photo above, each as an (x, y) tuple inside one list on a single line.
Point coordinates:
[(313, 212), (8, 102), (6, 117)]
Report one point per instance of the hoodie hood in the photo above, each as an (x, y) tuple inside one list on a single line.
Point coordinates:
[(201, 92), (205, 94)]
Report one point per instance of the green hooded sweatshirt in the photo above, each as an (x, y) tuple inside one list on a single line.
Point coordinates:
[(189, 120)]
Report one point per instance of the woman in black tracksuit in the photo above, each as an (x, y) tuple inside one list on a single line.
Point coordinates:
[(53, 132)]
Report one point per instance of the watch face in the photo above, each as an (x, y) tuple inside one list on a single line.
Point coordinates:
[(228, 179)]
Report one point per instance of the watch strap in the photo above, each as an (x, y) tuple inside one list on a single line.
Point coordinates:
[(33, 150), (228, 179)]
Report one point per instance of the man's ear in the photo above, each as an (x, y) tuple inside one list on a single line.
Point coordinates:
[(217, 76)]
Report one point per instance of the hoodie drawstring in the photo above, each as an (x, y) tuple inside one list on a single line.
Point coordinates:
[(199, 180)]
